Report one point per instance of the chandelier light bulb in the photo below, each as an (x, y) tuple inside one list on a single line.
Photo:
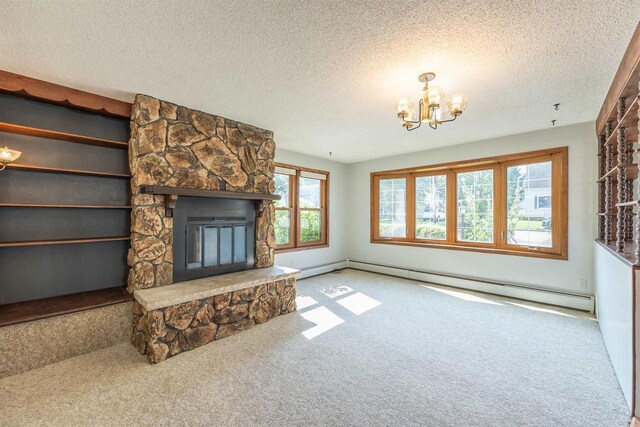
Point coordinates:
[(410, 116), (403, 106), (435, 96), (457, 104)]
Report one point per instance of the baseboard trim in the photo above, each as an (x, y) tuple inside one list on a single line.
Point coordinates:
[(323, 269), (519, 291)]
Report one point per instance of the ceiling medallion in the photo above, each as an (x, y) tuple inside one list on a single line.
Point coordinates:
[(430, 108)]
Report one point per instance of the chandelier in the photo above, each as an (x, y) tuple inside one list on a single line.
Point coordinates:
[(430, 108)]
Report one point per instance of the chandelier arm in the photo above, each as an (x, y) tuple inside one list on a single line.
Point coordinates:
[(415, 127), (455, 116)]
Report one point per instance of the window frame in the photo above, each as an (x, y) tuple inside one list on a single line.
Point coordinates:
[(499, 165), (295, 243), (290, 209)]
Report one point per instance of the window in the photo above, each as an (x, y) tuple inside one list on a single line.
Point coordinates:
[(431, 207), (515, 204), (302, 212), (475, 206), (393, 207)]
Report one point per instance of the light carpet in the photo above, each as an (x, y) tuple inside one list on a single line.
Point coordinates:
[(375, 351)]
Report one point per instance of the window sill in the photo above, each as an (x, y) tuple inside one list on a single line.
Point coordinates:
[(301, 248), (474, 249)]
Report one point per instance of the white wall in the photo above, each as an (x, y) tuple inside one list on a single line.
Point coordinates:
[(553, 274), (337, 250), (614, 302)]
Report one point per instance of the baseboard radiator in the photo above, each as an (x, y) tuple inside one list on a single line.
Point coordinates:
[(322, 269), (512, 290)]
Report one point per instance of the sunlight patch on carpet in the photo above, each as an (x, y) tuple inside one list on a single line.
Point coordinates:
[(358, 303), (463, 296), (324, 319), (336, 291), (303, 302), (543, 310)]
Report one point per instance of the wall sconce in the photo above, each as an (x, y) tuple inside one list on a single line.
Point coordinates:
[(7, 155)]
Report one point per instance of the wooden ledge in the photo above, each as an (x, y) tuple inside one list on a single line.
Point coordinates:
[(627, 257), (28, 311), (178, 293)]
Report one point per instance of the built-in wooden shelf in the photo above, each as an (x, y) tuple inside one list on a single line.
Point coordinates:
[(173, 191), (629, 122), (61, 241), (40, 205), (632, 203), (613, 214), (632, 172), (62, 136), (36, 168), (11, 314)]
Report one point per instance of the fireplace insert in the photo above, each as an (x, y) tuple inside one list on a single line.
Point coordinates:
[(212, 236)]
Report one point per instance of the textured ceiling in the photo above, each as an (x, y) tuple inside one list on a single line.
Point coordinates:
[(324, 75)]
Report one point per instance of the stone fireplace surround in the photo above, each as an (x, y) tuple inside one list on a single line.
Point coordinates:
[(175, 147)]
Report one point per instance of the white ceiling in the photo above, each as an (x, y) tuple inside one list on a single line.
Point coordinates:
[(324, 75)]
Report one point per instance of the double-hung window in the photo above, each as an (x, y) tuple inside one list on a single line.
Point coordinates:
[(515, 204), (302, 213)]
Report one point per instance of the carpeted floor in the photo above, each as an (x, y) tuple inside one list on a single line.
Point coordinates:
[(368, 350)]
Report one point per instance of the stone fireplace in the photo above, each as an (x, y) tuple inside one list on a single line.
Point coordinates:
[(202, 190)]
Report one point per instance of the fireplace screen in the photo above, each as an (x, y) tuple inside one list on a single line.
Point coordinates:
[(216, 243), (212, 237)]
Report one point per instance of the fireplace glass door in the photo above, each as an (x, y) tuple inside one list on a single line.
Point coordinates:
[(216, 243)]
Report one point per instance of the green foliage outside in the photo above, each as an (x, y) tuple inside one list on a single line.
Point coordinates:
[(431, 230), (282, 227), (475, 206), (309, 226)]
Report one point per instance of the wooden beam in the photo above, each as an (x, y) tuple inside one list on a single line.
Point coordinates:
[(625, 82), (62, 95)]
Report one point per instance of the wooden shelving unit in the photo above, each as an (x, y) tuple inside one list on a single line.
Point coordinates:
[(36, 168), (79, 264), (629, 122), (62, 241), (62, 136), (631, 172), (618, 151)]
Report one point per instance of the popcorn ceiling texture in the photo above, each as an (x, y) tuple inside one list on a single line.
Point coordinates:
[(175, 146), (324, 75)]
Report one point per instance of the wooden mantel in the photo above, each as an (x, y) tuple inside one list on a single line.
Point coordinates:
[(171, 195)]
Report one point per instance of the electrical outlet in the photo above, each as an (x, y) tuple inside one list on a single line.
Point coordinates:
[(582, 284)]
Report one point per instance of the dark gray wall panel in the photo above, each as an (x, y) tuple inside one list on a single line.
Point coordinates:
[(44, 271), (49, 188), (67, 155), (27, 112), (20, 224)]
